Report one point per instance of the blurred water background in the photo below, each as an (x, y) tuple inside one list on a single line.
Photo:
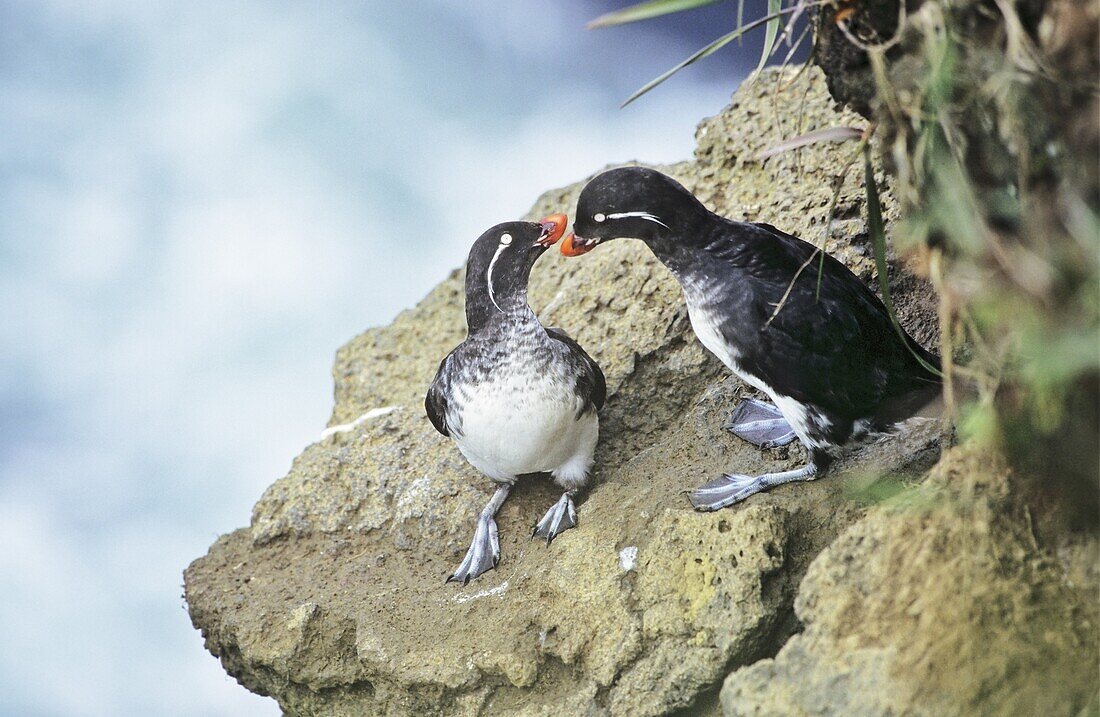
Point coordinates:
[(199, 202)]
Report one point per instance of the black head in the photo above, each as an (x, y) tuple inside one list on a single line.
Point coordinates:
[(632, 202), (500, 263)]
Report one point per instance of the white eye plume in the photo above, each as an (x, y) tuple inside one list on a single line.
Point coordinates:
[(505, 240), (639, 215), (598, 217)]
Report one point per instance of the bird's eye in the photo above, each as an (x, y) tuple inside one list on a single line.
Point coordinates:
[(598, 217), (505, 239)]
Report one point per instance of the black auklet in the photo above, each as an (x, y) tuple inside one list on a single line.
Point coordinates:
[(516, 397), (832, 362)]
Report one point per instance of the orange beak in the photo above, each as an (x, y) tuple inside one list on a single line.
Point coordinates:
[(570, 247), (553, 227)]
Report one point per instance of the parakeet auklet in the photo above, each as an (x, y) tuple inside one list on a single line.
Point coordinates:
[(516, 397), (832, 363)]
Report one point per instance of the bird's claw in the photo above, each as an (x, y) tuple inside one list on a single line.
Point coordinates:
[(483, 554), (561, 516)]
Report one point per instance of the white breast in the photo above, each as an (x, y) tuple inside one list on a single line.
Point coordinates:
[(705, 324), (521, 423)]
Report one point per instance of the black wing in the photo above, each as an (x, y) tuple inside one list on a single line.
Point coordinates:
[(837, 348), (591, 385), (435, 402)]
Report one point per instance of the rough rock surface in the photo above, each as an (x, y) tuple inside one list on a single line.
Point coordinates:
[(939, 604), (333, 600)]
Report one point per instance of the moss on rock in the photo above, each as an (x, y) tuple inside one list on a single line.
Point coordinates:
[(940, 602)]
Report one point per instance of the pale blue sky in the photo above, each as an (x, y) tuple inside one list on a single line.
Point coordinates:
[(199, 202)]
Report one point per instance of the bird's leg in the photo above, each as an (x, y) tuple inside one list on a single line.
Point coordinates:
[(561, 516), (484, 552), (733, 488), (759, 423)]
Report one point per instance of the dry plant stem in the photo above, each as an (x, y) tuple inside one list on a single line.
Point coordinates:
[(1031, 534), (825, 134), (783, 87), (777, 118), (783, 299), (884, 86), (986, 379), (864, 143), (801, 119), (805, 65), (1018, 46), (794, 48), (828, 222), (800, 8), (947, 348), (788, 28), (881, 47), (905, 186), (806, 90)]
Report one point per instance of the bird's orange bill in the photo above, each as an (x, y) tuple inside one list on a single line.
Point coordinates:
[(553, 227), (570, 247)]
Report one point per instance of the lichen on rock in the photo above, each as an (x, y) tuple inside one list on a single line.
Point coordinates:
[(333, 600)]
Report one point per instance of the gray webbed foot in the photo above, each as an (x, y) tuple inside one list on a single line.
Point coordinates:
[(483, 555), (561, 516), (759, 423), (734, 488)]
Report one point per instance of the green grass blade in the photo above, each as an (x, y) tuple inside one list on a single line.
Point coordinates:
[(770, 32), (877, 230), (707, 51), (647, 10)]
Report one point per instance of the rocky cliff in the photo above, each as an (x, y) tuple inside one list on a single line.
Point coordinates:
[(809, 599)]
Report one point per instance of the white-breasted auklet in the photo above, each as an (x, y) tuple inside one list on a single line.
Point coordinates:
[(832, 362), (516, 397)]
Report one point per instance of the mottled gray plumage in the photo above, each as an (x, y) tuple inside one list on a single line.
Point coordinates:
[(517, 398), (516, 346)]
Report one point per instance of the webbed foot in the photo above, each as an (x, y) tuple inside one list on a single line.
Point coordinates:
[(484, 552), (561, 516), (483, 555), (759, 423), (734, 488)]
